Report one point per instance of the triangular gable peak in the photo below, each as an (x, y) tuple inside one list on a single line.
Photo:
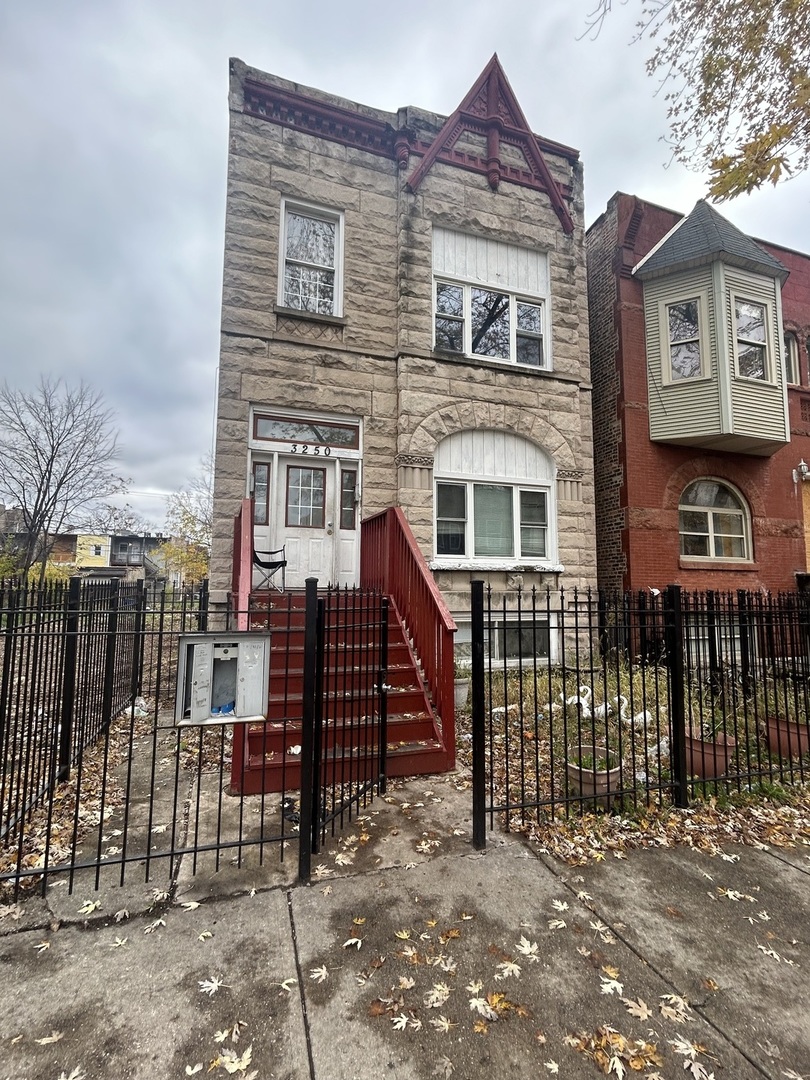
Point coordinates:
[(491, 110)]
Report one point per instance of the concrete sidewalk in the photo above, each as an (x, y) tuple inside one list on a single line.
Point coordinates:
[(413, 956)]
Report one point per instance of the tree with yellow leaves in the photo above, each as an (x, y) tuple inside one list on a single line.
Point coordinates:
[(736, 78)]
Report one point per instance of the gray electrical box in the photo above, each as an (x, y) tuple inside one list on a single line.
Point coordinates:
[(222, 678)]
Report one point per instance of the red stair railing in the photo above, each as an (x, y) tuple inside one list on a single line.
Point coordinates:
[(391, 562)]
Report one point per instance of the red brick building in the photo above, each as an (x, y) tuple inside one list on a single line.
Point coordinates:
[(699, 357)]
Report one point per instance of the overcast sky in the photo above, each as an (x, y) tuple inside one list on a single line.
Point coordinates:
[(113, 144)]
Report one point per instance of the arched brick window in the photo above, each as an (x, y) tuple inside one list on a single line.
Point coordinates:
[(714, 522)]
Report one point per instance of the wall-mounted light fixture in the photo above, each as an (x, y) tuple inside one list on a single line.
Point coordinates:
[(801, 472)]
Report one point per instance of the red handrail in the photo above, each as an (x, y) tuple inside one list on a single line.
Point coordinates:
[(391, 562)]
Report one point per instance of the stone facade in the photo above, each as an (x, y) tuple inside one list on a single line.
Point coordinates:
[(375, 360), (639, 482)]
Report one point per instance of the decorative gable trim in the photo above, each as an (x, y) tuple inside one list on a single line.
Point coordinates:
[(490, 109)]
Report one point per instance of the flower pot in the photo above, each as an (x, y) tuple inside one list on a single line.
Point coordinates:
[(592, 782), (787, 738), (708, 758), (461, 690)]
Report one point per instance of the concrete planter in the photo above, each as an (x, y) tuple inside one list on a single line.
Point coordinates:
[(461, 691), (586, 777)]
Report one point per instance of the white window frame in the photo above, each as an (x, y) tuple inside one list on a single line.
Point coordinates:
[(465, 319), (792, 370), (317, 213), (743, 297), (470, 559), (681, 297), (711, 533)]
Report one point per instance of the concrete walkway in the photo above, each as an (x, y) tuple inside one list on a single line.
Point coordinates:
[(411, 956)]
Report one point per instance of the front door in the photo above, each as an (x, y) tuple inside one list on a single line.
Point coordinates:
[(308, 505)]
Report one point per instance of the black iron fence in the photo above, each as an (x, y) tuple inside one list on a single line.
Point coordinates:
[(581, 700), (98, 779)]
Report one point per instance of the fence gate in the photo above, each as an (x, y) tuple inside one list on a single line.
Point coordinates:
[(344, 723)]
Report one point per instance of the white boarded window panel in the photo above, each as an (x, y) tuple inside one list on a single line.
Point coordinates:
[(499, 455), (492, 262)]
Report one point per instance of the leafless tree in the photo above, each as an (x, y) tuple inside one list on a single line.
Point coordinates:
[(106, 519), (57, 443)]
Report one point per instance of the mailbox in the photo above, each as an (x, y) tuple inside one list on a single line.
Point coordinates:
[(222, 678)]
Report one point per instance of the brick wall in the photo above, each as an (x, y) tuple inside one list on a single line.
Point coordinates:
[(639, 482)]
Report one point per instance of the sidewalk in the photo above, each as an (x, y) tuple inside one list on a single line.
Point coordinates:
[(411, 956)]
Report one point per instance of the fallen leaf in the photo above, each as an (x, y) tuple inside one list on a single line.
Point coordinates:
[(319, 974), (41, 946), (638, 1008), (54, 1037), (191, 1070), (210, 986), (89, 906)]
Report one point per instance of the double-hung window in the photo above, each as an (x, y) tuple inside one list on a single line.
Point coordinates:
[(486, 322), (683, 326), (477, 520), (750, 321), (490, 299), (311, 262)]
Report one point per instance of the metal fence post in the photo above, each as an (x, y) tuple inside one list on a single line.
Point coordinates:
[(306, 824), (479, 778), (745, 641), (673, 627), (110, 648), (69, 677)]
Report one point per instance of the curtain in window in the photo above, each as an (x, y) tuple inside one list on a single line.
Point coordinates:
[(493, 522)]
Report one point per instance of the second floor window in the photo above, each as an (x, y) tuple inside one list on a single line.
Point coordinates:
[(752, 351), (792, 359), (478, 321), (683, 320), (311, 247)]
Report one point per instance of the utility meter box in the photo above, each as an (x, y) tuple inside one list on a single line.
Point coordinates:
[(222, 678)]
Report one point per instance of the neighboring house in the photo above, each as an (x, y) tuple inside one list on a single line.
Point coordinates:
[(92, 550), (405, 324), (699, 359)]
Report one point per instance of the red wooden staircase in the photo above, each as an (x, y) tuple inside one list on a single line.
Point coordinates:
[(419, 679)]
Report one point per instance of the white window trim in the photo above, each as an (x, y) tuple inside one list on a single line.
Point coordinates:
[(707, 560), (702, 297), (322, 213), (515, 298), (791, 358), (744, 297), (547, 564)]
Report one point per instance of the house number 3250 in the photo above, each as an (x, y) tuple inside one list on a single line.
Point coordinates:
[(307, 448)]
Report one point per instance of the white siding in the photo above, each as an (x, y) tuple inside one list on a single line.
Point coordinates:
[(758, 407), (687, 408), (490, 262), (496, 455)]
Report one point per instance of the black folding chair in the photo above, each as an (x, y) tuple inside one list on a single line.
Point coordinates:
[(269, 567)]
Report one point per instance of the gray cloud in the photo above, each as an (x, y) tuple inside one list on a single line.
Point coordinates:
[(113, 125)]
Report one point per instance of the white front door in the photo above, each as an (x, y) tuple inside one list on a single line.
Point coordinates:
[(309, 506)]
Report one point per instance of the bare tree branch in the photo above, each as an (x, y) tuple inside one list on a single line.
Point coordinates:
[(56, 447)]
